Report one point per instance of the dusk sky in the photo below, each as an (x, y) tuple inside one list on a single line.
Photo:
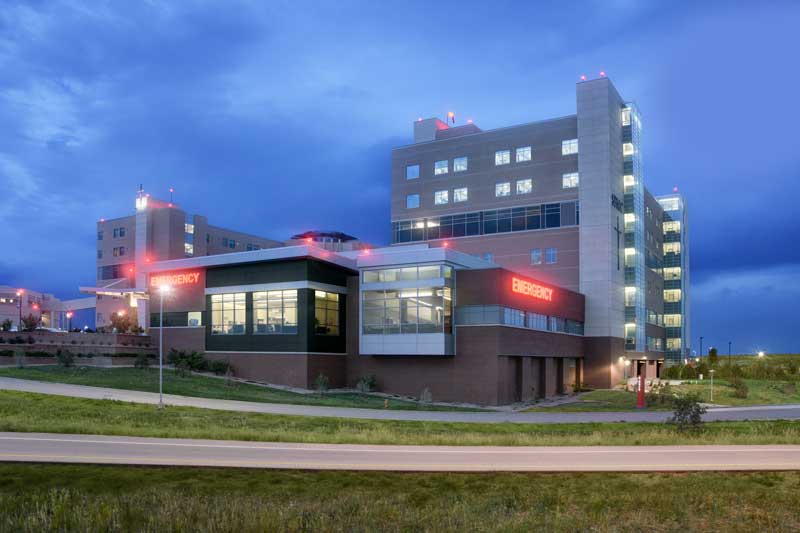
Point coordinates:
[(277, 117)]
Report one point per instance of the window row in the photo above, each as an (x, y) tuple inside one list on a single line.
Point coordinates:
[(274, 313), (412, 273), (119, 251), (501, 189), (460, 164), (543, 216), (489, 315), (112, 272), (407, 311)]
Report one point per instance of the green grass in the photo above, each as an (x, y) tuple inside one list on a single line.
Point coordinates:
[(27, 412), (760, 392), (599, 400), (37, 498), (205, 387)]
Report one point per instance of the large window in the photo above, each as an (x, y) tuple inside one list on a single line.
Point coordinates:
[(275, 312), (672, 295), (523, 154), (460, 164), (536, 256), (525, 186), (228, 314), (460, 195), (672, 247), (569, 146), (440, 197), (326, 313), (551, 256), (535, 217), (671, 226), (407, 311), (570, 180), (412, 201), (440, 167), (502, 157), (488, 315), (411, 273), (412, 172), (502, 189)]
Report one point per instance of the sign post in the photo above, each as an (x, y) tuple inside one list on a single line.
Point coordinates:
[(640, 403)]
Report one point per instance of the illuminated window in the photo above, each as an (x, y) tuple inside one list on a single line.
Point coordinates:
[(672, 247), (275, 312), (630, 257), (673, 321), (440, 167), (502, 189), (412, 172), (460, 195), (630, 296), (570, 180), (407, 311), (627, 149), (502, 157), (536, 256), (672, 203), (188, 228), (188, 248), (460, 164), (412, 201), (625, 115), (672, 226), (628, 181), (672, 295), (523, 154), (228, 314), (550, 256), (672, 273), (440, 197), (674, 344), (326, 313), (630, 221), (525, 186), (569, 147), (195, 318)]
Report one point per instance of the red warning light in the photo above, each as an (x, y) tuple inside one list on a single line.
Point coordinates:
[(309, 240), (419, 119), (602, 73), (583, 77), (469, 121), (445, 244)]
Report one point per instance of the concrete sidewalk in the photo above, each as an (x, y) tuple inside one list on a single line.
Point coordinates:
[(772, 412)]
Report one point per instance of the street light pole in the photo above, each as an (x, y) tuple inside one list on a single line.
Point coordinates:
[(19, 306), (712, 385), (729, 353), (701, 346), (162, 290)]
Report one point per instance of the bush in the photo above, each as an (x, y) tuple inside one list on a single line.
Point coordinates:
[(688, 414), (672, 372), (367, 383), (6, 353), (187, 361), (703, 368), (219, 367), (30, 322), (142, 361), (689, 372), (740, 388), (661, 394), (322, 383), (65, 358), (6, 325), (38, 353)]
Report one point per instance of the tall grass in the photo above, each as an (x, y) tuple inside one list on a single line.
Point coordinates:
[(26, 412), (91, 498)]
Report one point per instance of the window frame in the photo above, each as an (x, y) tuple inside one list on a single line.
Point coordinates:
[(441, 197), (502, 187), (409, 198), (502, 157), (438, 170), (458, 160), (408, 167), (523, 150), (524, 181), (456, 192)]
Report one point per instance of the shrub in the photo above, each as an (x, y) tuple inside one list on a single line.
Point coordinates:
[(65, 358), (6, 325), (218, 367), (187, 361), (38, 353), (6, 353), (661, 394), (142, 361), (30, 322), (367, 383), (31, 340), (672, 372), (321, 384), (740, 388), (703, 368), (688, 414), (688, 372)]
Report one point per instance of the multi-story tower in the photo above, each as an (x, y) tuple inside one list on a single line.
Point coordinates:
[(158, 231), (561, 200), (676, 276)]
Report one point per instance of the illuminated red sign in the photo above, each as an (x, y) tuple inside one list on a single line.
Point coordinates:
[(528, 288), (185, 278)]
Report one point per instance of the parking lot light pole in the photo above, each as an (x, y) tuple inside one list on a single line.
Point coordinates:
[(712, 385), (163, 289)]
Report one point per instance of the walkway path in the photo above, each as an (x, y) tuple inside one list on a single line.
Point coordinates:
[(51, 448), (771, 412)]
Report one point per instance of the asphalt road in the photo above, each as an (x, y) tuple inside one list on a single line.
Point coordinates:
[(53, 448), (772, 412)]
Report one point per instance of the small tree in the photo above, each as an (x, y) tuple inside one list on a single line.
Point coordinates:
[(740, 388), (6, 325), (321, 384), (65, 358), (688, 414), (30, 323), (713, 356), (121, 322)]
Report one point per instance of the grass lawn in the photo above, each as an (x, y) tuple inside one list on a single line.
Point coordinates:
[(27, 412), (204, 387), (599, 400), (760, 392), (112, 498)]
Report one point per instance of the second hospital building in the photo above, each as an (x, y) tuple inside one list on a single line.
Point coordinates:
[(523, 261)]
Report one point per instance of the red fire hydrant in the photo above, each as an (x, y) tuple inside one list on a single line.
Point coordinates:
[(640, 403)]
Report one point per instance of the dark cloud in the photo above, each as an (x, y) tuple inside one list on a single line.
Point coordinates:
[(278, 117)]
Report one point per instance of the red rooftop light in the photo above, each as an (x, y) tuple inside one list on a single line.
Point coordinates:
[(309, 240), (583, 77), (469, 121), (602, 73), (419, 119), (445, 244)]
